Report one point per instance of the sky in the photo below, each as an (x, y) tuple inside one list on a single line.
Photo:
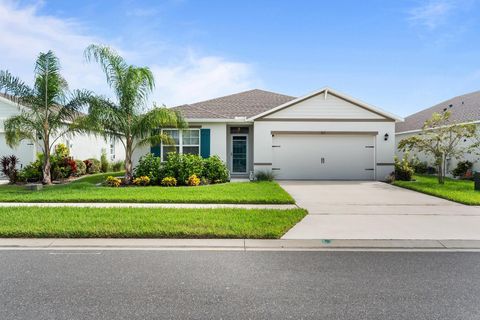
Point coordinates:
[(399, 55)]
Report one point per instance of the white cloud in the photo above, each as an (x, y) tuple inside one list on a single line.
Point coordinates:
[(25, 33), (200, 78), (431, 14)]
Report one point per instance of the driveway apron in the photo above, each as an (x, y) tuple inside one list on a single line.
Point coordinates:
[(377, 210)]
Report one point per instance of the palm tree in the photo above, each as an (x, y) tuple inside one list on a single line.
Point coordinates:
[(126, 119), (48, 110)]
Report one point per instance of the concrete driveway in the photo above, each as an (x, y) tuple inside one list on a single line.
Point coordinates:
[(376, 210)]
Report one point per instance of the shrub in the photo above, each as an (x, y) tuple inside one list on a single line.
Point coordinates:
[(182, 166), (31, 172), (193, 181), (403, 169), (419, 166), (104, 162), (9, 167), (93, 165), (150, 166), (61, 151), (118, 165), (113, 182), (215, 170), (81, 168), (264, 175), (462, 168), (431, 170), (169, 182), (141, 181), (64, 168), (390, 178)]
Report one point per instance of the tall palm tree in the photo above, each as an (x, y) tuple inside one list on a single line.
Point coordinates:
[(127, 119), (48, 110)]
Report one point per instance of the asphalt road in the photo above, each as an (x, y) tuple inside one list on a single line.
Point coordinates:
[(239, 285)]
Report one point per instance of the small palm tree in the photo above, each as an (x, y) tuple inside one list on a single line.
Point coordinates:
[(48, 110), (126, 119)]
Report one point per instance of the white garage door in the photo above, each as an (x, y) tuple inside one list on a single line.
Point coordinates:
[(323, 156)]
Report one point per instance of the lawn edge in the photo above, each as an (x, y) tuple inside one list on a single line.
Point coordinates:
[(436, 195)]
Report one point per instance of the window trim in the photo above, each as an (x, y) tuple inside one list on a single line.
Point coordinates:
[(180, 144)]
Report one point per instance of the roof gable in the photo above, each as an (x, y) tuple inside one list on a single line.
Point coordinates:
[(327, 104)]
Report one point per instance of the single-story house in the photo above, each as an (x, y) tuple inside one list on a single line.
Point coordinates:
[(322, 135), (463, 109), (82, 146)]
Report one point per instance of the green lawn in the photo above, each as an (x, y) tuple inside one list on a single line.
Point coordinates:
[(456, 190), (68, 222), (97, 178), (85, 190)]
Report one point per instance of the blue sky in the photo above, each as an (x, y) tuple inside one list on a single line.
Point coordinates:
[(401, 56)]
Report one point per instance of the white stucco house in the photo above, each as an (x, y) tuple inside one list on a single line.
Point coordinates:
[(82, 146), (464, 109), (322, 135)]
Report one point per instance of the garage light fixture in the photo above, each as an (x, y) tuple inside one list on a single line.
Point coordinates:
[(385, 137)]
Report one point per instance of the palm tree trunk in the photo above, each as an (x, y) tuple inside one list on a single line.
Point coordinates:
[(128, 161), (47, 179)]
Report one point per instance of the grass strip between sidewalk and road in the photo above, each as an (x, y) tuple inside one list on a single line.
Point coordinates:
[(461, 191), (86, 190), (64, 222)]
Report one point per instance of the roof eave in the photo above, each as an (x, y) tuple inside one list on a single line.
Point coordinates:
[(243, 120), (419, 130)]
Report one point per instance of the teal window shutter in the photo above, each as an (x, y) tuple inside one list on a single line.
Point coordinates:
[(205, 143), (155, 150)]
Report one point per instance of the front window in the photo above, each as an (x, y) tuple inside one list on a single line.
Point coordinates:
[(112, 149), (186, 141)]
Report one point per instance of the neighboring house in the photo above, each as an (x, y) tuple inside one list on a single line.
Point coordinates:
[(322, 135), (82, 146), (464, 109)]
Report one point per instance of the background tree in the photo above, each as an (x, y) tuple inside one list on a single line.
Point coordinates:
[(441, 139), (48, 110), (127, 119)]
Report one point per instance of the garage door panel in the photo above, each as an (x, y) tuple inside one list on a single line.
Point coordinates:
[(328, 157)]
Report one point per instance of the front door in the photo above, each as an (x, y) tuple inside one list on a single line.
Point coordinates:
[(239, 153)]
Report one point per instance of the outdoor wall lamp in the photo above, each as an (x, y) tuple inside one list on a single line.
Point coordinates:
[(385, 137)]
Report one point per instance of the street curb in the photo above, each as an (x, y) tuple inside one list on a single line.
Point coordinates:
[(237, 244)]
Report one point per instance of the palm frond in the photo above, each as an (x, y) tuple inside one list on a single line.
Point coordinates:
[(13, 86), (49, 83), (113, 65), (105, 118), (155, 139), (157, 118), (137, 84), (20, 127)]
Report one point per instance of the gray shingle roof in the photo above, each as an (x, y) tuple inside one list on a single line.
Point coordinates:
[(464, 108), (243, 104)]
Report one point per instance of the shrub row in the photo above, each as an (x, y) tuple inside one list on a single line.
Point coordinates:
[(186, 169), (405, 168), (63, 166)]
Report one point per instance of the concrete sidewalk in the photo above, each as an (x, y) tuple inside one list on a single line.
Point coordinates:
[(147, 205), (233, 244)]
